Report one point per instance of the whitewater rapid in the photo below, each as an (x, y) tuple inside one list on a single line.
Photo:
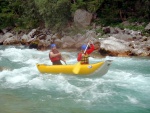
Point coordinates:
[(126, 86)]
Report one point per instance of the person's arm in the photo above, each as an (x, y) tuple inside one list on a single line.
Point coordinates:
[(92, 48), (79, 57), (54, 55)]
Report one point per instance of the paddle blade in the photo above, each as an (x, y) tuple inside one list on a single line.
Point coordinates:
[(76, 68)]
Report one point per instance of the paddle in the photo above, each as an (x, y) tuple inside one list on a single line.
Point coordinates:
[(65, 62), (77, 66), (62, 58)]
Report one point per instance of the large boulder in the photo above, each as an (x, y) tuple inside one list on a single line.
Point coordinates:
[(82, 17), (11, 41), (113, 47)]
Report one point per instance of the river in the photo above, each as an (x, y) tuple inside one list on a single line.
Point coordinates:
[(23, 89)]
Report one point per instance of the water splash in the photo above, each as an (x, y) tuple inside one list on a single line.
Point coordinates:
[(126, 83)]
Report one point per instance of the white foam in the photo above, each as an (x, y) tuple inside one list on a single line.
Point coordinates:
[(37, 83), (132, 100), (25, 55), (16, 79), (82, 89)]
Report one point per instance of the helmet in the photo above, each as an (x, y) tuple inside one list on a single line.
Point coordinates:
[(83, 47), (53, 45)]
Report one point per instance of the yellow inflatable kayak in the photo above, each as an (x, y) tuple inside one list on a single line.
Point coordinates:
[(78, 69)]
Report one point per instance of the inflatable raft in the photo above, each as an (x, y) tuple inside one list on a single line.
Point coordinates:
[(78, 69)]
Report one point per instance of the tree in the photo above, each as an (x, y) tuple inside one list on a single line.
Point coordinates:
[(55, 13)]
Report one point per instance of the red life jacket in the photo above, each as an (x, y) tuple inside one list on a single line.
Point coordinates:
[(57, 58)]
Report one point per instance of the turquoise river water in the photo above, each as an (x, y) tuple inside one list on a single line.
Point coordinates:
[(23, 89)]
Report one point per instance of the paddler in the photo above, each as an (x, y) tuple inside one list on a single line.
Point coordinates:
[(55, 56), (83, 55)]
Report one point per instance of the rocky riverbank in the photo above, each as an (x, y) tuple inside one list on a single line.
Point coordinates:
[(114, 41)]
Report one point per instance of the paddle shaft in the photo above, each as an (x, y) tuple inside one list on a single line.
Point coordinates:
[(86, 47), (65, 62)]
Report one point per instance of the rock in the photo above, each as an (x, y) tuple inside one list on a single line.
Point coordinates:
[(116, 42), (140, 52), (24, 38), (8, 35), (58, 42), (31, 33), (59, 35), (147, 27), (90, 34), (78, 45), (118, 30), (7, 29), (68, 39), (1, 32), (124, 37), (125, 23), (48, 38), (78, 37), (67, 45), (1, 39), (69, 42), (82, 18), (41, 36), (106, 30), (114, 47), (11, 41)]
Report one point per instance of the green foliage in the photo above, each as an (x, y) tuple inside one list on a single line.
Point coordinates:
[(132, 27), (100, 31), (142, 9), (136, 28), (93, 5), (117, 11), (75, 30), (109, 13), (79, 4), (18, 13), (55, 13), (7, 13), (90, 5), (29, 17)]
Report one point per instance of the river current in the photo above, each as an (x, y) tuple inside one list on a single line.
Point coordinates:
[(23, 89)]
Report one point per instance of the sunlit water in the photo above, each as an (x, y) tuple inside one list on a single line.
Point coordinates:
[(23, 89)]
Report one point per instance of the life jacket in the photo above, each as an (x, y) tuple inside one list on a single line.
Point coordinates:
[(85, 59), (57, 58)]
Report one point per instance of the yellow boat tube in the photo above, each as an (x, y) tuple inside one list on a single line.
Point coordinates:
[(77, 69)]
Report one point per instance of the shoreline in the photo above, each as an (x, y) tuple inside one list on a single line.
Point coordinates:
[(95, 54)]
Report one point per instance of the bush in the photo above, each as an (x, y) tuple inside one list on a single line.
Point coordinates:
[(54, 13)]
